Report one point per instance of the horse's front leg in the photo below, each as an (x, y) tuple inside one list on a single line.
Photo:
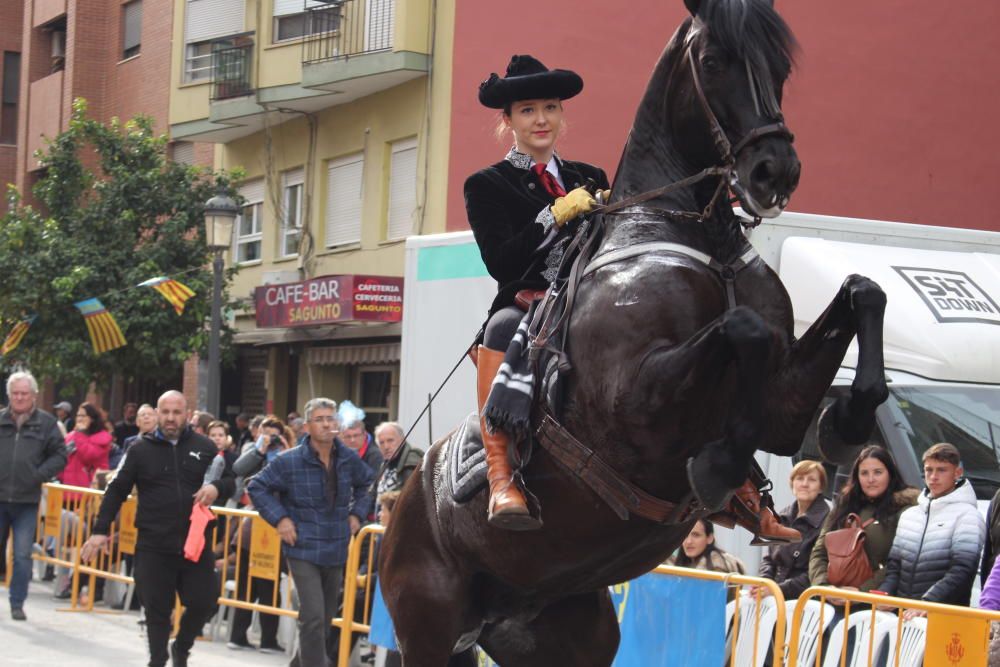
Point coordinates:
[(857, 309), (739, 342)]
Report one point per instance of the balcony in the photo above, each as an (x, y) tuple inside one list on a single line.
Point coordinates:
[(359, 47), (231, 72)]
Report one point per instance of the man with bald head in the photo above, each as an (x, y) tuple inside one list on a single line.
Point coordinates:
[(168, 466)]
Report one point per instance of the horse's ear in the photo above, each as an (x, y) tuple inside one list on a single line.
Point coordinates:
[(692, 6)]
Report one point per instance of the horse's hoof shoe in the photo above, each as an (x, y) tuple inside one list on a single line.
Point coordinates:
[(707, 488)]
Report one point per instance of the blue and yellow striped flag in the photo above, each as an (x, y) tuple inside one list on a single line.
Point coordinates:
[(175, 292), (104, 332), (16, 335)]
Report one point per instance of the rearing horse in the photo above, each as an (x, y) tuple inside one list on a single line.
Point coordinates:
[(684, 364)]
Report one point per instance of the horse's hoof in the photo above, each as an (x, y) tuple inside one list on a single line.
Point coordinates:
[(832, 447), (514, 521), (706, 486)]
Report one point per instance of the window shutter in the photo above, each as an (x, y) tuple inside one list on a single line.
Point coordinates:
[(133, 25), (183, 152), (286, 7), (379, 15), (253, 191), (402, 189), (208, 19), (293, 177), (343, 200)]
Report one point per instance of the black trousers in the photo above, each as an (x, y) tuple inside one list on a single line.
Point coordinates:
[(158, 579), (262, 591), (501, 328)]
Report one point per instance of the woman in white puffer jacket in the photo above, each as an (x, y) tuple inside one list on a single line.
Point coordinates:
[(935, 554)]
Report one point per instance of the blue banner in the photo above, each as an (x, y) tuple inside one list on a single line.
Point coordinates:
[(668, 621), (665, 621)]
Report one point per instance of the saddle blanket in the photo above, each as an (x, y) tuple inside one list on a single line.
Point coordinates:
[(465, 460)]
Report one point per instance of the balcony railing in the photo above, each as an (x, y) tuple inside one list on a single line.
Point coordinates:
[(348, 28), (231, 72)]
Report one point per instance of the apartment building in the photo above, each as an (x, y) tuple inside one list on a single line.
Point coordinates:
[(326, 106)]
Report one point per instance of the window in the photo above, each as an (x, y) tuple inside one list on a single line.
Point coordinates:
[(57, 46), (9, 97), (131, 28), (291, 226), (375, 394), (250, 222), (345, 178), (298, 25), (198, 62), (183, 152), (402, 189)]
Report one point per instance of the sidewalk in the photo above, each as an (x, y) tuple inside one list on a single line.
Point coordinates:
[(52, 638)]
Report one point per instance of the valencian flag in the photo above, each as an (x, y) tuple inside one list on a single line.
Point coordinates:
[(104, 332), (174, 292), (16, 335)]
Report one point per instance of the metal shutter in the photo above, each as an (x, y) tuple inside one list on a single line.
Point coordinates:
[(183, 152), (286, 7), (379, 18), (293, 177), (402, 189), (253, 191), (345, 179), (208, 19), (132, 25)]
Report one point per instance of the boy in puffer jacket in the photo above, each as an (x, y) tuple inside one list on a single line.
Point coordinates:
[(935, 553)]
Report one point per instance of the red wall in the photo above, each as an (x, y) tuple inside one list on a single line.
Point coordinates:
[(892, 104)]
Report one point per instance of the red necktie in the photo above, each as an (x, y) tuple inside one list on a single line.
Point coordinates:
[(549, 181)]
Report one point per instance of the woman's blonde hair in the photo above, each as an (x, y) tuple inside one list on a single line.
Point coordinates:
[(804, 468)]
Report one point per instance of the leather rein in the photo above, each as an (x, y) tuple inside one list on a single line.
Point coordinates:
[(727, 151)]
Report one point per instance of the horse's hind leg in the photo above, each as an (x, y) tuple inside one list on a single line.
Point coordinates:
[(581, 630)]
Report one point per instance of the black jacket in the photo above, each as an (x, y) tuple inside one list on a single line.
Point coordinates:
[(788, 564), (503, 203), (30, 456), (167, 477)]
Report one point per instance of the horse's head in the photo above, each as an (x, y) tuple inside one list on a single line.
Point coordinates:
[(730, 69)]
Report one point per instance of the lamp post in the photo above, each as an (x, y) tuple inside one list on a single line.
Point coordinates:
[(220, 215)]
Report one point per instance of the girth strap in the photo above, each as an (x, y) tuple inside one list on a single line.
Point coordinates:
[(727, 272), (621, 495)]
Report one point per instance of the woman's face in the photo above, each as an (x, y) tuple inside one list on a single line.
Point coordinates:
[(806, 487), (697, 541), (873, 477), (270, 431), (82, 419), (536, 125), (384, 514), (218, 436)]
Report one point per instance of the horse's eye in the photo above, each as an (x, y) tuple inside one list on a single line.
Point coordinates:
[(710, 64)]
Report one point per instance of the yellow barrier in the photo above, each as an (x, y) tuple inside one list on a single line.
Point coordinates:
[(68, 513), (956, 636), (730, 578)]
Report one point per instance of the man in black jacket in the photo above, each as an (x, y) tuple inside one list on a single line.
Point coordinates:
[(168, 466), (32, 452)]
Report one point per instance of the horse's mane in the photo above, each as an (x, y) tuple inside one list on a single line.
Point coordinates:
[(750, 30)]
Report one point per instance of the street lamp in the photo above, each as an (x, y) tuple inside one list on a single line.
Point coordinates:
[(220, 216)]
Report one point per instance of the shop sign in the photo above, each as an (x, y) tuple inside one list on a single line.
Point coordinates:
[(330, 299)]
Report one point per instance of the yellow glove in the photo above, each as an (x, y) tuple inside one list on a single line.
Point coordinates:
[(574, 204)]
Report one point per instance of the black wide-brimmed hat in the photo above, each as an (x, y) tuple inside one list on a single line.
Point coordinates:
[(528, 79)]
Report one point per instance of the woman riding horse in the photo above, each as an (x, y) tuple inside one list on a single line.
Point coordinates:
[(512, 205)]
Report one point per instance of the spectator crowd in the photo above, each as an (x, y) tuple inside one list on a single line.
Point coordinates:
[(319, 477)]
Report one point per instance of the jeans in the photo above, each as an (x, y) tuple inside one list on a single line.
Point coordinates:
[(21, 517), (158, 578), (319, 590)]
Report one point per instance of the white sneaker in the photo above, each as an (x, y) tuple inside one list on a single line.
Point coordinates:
[(238, 647)]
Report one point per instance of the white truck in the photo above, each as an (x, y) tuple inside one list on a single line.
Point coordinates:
[(942, 336)]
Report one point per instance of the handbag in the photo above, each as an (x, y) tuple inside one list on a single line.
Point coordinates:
[(845, 548)]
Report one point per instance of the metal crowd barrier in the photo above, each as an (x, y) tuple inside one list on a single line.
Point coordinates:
[(67, 514), (762, 630), (951, 635)]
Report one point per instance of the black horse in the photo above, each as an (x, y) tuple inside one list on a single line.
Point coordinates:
[(684, 364)]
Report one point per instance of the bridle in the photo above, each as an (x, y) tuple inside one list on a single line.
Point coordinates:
[(727, 153)]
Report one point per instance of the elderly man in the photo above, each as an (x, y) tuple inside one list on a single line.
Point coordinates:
[(145, 421), (316, 495), (401, 458), (168, 466), (33, 452)]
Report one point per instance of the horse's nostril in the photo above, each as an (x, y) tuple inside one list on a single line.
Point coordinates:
[(763, 173)]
